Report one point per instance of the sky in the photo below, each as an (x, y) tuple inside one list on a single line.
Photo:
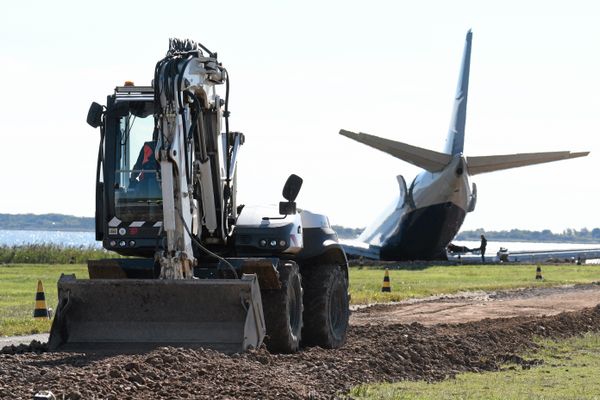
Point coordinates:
[(301, 71)]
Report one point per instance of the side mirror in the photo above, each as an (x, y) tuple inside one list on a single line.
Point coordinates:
[(290, 192), (94, 117), (287, 208), (292, 187)]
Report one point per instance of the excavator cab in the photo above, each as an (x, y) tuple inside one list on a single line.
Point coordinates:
[(129, 207), (136, 185)]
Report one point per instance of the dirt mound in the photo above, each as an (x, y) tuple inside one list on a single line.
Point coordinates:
[(373, 353), (34, 347)]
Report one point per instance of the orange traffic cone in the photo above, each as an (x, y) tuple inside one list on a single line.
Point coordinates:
[(538, 273), (386, 282), (41, 310)]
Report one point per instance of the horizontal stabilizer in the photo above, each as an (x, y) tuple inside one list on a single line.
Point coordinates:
[(479, 165), (427, 159)]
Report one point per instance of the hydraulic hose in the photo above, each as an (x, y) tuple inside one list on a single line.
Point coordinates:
[(204, 249)]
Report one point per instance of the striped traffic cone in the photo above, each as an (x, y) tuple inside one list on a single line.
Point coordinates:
[(41, 310), (538, 273), (386, 282)]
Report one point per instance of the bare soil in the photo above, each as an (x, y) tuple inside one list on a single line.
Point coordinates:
[(474, 306), (430, 339)]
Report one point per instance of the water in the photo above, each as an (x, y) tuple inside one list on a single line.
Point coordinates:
[(62, 238), (87, 239)]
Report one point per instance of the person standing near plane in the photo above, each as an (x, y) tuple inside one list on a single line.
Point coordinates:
[(482, 248)]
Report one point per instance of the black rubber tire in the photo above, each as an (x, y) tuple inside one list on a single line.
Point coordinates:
[(283, 310), (326, 306)]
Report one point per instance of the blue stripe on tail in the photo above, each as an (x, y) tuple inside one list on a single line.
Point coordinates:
[(456, 133)]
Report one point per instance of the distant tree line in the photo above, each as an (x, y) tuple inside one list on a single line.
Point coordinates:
[(347, 233), (60, 222), (46, 222), (518, 235)]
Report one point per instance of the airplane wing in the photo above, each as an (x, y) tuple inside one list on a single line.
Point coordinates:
[(429, 160), (355, 249), (579, 255), (536, 256), (482, 164)]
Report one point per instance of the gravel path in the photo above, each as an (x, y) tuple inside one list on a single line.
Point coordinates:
[(17, 340), (376, 351), (474, 306)]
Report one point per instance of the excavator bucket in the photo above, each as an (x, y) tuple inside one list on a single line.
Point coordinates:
[(132, 315)]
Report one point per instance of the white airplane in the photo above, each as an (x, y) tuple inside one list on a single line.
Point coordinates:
[(426, 216)]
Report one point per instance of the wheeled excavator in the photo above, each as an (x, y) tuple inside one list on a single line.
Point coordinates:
[(196, 269)]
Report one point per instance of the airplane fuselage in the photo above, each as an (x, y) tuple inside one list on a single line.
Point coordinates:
[(425, 217)]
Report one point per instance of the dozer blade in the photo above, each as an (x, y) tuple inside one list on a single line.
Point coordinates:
[(130, 315)]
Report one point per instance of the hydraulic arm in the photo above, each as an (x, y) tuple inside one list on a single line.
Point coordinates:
[(197, 162)]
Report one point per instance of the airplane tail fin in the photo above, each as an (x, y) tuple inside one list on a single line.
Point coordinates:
[(456, 133), (423, 158), (433, 161), (482, 164)]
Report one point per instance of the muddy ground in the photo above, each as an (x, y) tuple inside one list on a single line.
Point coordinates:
[(384, 344)]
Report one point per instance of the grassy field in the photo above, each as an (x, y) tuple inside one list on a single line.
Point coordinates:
[(569, 371), (18, 284), (51, 254), (411, 282)]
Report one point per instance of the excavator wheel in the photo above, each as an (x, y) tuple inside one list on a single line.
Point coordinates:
[(283, 310), (326, 302)]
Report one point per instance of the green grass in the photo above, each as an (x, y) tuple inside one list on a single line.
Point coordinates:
[(570, 371), (411, 282), (51, 254), (18, 284)]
